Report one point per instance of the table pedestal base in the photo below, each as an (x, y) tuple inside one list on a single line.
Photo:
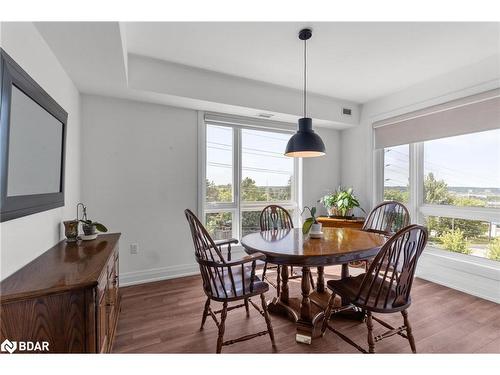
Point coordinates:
[(307, 311)]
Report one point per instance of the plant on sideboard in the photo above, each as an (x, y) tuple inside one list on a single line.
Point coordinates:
[(341, 202), (89, 227)]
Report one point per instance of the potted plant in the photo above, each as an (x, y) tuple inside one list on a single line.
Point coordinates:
[(341, 203), (329, 202), (311, 223), (90, 227)]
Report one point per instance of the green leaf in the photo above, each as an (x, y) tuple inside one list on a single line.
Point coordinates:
[(100, 227), (313, 211), (306, 227)]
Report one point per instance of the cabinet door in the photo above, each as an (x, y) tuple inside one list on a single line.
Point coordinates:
[(102, 322), (113, 298)]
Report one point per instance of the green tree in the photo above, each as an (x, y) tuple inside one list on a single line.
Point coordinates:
[(468, 202), (436, 191), (250, 192), (218, 193), (455, 241), (219, 225), (494, 249), (396, 195), (250, 222)]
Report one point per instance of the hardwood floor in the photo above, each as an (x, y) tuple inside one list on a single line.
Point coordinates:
[(164, 317)]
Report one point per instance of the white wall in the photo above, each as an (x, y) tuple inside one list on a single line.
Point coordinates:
[(25, 238), (322, 175), (139, 173)]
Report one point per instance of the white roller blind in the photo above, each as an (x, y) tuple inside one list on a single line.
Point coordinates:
[(462, 116)]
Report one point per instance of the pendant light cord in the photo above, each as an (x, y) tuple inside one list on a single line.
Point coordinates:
[(305, 77)]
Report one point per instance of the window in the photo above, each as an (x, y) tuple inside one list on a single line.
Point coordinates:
[(397, 173), (244, 171), (219, 172), (463, 170), (471, 237), (451, 185)]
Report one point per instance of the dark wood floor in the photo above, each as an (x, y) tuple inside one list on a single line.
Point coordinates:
[(164, 317)]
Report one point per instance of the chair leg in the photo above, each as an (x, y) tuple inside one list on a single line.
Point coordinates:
[(220, 338), (409, 333), (247, 307), (369, 325), (205, 313), (264, 271), (328, 312), (268, 319)]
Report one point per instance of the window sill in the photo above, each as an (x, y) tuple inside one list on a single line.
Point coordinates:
[(469, 274)]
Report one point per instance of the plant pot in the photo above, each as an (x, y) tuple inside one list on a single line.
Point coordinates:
[(316, 228), (89, 229), (332, 211)]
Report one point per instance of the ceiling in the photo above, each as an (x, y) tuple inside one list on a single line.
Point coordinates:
[(352, 61)]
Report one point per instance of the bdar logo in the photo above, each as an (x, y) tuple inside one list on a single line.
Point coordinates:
[(8, 346)]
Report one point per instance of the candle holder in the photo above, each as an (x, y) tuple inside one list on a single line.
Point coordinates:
[(71, 230)]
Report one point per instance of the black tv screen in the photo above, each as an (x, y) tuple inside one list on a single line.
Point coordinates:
[(33, 128)]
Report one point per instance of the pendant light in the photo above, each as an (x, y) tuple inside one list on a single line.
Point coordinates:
[(305, 143)]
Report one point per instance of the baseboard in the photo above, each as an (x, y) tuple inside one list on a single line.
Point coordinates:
[(166, 273), (471, 275), (158, 274)]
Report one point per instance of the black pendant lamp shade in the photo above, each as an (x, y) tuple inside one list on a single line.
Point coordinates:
[(305, 143)]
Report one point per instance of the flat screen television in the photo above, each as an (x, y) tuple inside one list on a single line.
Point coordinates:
[(32, 144)]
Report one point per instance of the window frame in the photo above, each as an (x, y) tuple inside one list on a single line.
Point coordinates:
[(236, 207), (418, 209)]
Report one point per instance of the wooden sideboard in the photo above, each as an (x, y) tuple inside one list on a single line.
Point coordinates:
[(329, 222), (68, 297)]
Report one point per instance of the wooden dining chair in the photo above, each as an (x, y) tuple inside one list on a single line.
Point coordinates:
[(385, 288), (227, 281), (274, 217), (386, 218)]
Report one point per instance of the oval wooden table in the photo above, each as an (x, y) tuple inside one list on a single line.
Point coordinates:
[(289, 247)]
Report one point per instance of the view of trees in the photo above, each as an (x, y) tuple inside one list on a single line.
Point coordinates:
[(219, 224), (494, 249), (451, 234), (454, 240)]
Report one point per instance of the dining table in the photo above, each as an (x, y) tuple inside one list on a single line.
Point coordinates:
[(291, 247)]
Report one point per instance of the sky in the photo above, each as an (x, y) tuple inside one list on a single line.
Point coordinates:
[(262, 156), (471, 160)]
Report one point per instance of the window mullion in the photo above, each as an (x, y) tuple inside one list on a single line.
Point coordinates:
[(237, 180), (378, 162), (416, 181)]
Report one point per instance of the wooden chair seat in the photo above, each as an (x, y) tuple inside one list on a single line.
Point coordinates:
[(348, 289), (242, 282)]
